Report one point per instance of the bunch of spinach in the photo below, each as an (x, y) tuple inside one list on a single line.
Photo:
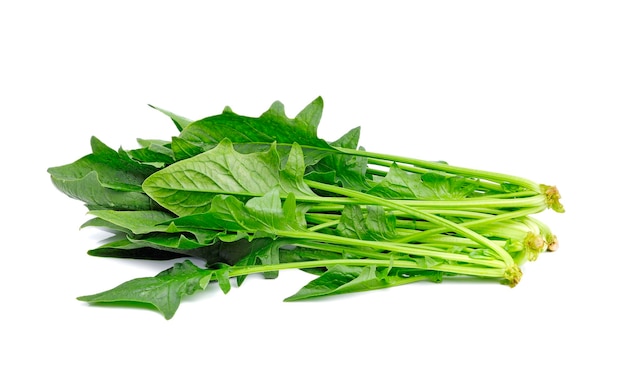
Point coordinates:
[(257, 195)]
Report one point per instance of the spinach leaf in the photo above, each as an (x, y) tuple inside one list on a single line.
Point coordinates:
[(135, 222), (180, 122), (124, 247), (375, 225), (399, 184), (115, 170), (105, 179), (341, 279), (165, 290), (188, 186), (264, 216), (156, 153), (271, 126)]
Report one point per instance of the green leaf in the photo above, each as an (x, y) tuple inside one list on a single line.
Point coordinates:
[(349, 140), (260, 215), (164, 291), (155, 226), (375, 225), (352, 223), (115, 170), (350, 171), (341, 279), (380, 224), (91, 191), (243, 252), (271, 126), (136, 222), (126, 248), (173, 242), (156, 153), (179, 121), (105, 178), (262, 251), (400, 184), (183, 149), (440, 187), (188, 186)]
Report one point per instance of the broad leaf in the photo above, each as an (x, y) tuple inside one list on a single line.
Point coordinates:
[(105, 179), (136, 222), (373, 224), (271, 126), (90, 190), (114, 170), (183, 149), (342, 279), (188, 186), (400, 184), (345, 169), (164, 291), (157, 225), (153, 152), (261, 216), (126, 248)]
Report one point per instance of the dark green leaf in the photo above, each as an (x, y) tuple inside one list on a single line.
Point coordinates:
[(164, 291), (115, 170), (125, 248), (105, 178), (271, 126), (136, 222)]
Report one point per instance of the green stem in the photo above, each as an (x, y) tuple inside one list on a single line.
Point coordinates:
[(469, 224), (367, 198), (323, 225), (430, 252), (429, 165), (450, 268)]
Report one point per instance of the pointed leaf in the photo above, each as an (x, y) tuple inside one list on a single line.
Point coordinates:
[(90, 190), (263, 215), (164, 291), (341, 279), (372, 224), (188, 186), (179, 121), (400, 184), (271, 126), (136, 222)]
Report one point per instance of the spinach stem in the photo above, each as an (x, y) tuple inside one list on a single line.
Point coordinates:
[(430, 165), (468, 224), (345, 244), (450, 268), (367, 198)]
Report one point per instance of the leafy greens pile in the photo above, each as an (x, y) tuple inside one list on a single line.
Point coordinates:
[(256, 195)]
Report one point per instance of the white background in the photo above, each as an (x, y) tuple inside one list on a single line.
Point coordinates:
[(532, 88)]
